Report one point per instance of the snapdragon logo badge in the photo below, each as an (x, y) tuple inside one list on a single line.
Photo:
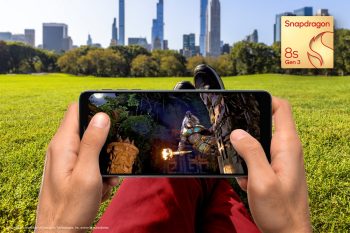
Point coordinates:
[(307, 42)]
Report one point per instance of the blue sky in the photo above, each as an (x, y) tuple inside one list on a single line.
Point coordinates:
[(239, 18)]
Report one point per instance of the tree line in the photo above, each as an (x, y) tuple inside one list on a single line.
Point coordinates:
[(135, 61)]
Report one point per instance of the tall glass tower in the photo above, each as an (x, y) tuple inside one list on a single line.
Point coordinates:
[(203, 22), (121, 22), (213, 33), (158, 27), (114, 31)]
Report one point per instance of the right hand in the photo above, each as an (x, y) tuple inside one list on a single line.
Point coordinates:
[(277, 193)]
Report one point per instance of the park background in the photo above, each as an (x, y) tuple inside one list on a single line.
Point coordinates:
[(36, 86)]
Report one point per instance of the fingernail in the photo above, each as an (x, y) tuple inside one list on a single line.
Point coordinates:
[(238, 134), (100, 121)]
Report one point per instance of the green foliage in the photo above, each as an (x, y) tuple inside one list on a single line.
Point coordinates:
[(17, 57), (342, 54), (32, 107), (193, 62), (171, 66), (102, 63), (252, 58), (144, 66), (4, 58)]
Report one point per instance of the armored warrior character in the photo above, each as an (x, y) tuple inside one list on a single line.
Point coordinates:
[(201, 138)]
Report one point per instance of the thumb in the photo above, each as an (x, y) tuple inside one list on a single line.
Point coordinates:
[(93, 140), (252, 153)]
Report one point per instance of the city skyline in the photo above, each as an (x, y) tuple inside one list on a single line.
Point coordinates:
[(180, 17)]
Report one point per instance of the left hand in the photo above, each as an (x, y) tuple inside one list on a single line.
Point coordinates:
[(72, 187)]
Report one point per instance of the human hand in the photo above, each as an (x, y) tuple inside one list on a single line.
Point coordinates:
[(277, 193), (72, 187)]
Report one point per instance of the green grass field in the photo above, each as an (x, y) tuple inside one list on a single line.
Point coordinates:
[(31, 108)]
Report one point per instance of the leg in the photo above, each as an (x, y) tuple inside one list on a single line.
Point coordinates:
[(224, 211), (154, 205)]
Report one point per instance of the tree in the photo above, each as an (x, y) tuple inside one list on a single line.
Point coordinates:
[(4, 58), (224, 65), (342, 52), (193, 62), (129, 53), (102, 63), (68, 62), (144, 66), (252, 58), (171, 66)]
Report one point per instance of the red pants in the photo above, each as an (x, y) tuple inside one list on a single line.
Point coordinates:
[(176, 205)]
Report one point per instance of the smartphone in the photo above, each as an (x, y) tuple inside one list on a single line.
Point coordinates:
[(177, 133)]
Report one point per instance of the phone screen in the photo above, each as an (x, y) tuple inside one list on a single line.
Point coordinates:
[(164, 133)]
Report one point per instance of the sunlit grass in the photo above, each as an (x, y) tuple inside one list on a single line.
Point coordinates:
[(31, 107)]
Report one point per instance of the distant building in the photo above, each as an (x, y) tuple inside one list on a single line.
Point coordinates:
[(55, 37), (226, 49), (277, 26), (114, 30), (91, 44), (67, 44), (113, 43), (121, 40), (140, 41), (305, 11), (203, 25), (254, 38), (30, 36), (5, 36), (213, 33), (89, 40), (157, 44), (19, 38), (165, 45), (322, 12), (189, 45), (158, 27)]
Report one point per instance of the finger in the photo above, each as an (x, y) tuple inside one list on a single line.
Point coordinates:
[(69, 127), (65, 145), (252, 153), (92, 142), (242, 182), (113, 181), (283, 117)]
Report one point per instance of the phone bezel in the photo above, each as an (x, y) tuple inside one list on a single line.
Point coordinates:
[(265, 101)]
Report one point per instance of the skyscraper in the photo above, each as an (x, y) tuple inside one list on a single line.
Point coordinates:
[(213, 33), (305, 11), (203, 25), (30, 36), (254, 38), (322, 12), (114, 31), (121, 22), (55, 37), (189, 45), (139, 41), (89, 41), (158, 27), (277, 26)]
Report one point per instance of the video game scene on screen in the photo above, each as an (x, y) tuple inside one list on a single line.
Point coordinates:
[(174, 133)]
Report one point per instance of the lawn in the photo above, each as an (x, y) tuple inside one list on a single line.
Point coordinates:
[(31, 107)]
